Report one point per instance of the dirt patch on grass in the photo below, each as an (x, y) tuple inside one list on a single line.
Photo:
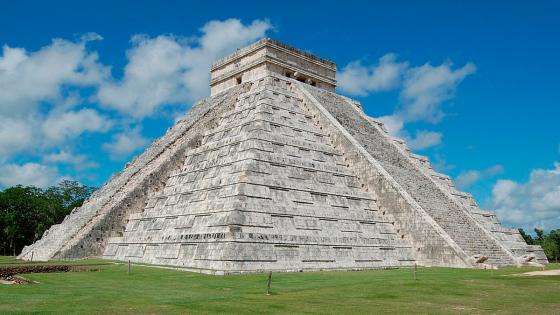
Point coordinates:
[(8, 275), (555, 272)]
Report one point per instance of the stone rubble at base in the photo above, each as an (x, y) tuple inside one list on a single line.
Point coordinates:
[(274, 171)]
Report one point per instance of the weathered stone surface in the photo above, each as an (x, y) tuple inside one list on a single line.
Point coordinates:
[(276, 172), (256, 61), (265, 190), (86, 230)]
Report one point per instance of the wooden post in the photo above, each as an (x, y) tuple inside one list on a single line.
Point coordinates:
[(415, 269), (268, 283), (129, 266)]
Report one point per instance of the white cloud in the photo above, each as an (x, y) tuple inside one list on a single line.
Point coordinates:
[(62, 156), (468, 178), (393, 124), (34, 133), (535, 203), (358, 79), (35, 84), (424, 88), (124, 144), (440, 164), (79, 161), (427, 87), (15, 135), (28, 174), (59, 127), (425, 139), (28, 78), (168, 69), (423, 91)]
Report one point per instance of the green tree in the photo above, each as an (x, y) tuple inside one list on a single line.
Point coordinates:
[(550, 242), (26, 212), (550, 249), (540, 234), (67, 195), (527, 237), (553, 238)]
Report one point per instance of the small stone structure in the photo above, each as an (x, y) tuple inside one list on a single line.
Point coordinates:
[(274, 171)]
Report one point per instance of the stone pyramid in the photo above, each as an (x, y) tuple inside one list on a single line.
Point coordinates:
[(274, 171)]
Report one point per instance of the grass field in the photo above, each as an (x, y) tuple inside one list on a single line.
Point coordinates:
[(155, 290)]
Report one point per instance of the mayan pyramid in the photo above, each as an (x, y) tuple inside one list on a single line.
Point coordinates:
[(275, 171)]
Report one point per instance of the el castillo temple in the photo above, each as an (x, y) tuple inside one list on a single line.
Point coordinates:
[(275, 171)]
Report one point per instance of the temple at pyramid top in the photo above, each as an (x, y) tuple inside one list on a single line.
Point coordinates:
[(252, 62)]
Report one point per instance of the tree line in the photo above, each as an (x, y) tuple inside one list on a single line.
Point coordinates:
[(27, 212), (550, 242)]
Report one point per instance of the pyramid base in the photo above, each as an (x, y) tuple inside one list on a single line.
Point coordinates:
[(229, 267)]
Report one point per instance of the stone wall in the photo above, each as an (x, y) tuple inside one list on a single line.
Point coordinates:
[(255, 61), (265, 190), (85, 231)]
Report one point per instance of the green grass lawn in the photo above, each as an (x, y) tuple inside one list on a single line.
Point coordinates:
[(156, 290)]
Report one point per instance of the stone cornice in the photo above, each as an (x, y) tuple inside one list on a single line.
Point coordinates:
[(275, 61), (276, 45)]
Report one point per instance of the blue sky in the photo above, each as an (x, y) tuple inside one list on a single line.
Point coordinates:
[(85, 86)]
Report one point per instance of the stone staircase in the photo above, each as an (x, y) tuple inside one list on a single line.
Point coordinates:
[(395, 158), (509, 238)]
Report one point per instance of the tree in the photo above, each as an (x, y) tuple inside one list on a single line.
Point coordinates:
[(554, 238), (67, 195), (21, 214), (550, 249), (550, 242), (527, 237), (540, 234), (27, 212)]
